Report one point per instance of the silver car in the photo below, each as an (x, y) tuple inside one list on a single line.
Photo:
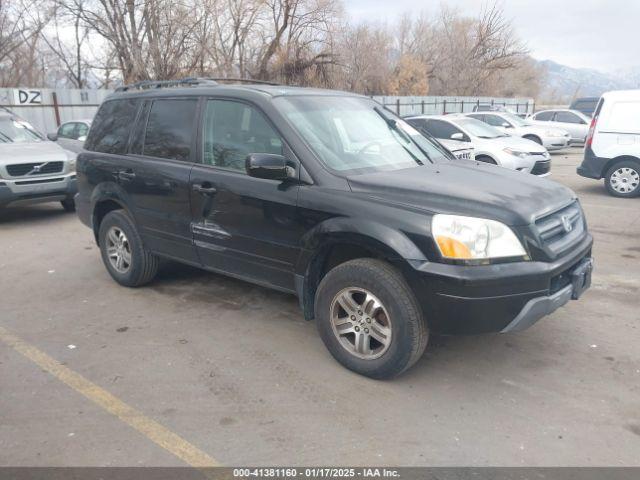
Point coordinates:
[(489, 144), (573, 121), (32, 169), (71, 135), (550, 138)]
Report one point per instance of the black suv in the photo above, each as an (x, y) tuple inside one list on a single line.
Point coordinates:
[(382, 234)]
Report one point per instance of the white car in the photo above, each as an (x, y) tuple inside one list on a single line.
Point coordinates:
[(573, 121), (460, 150), (32, 169), (71, 135), (549, 137), (612, 149), (489, 144)]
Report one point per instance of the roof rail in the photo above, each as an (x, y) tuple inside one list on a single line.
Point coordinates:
[(242, 80), (190, 81), (148, 84)]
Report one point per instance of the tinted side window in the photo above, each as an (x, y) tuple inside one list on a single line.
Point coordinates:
[(137, 139), (543, 116), (170, 129), (494, 120), (110, 129), (67, 130), (82, 130), (233, 130), (567, 117), (440, 129)]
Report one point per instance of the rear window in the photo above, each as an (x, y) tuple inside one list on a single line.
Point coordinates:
[(170, 129), (110, 129)]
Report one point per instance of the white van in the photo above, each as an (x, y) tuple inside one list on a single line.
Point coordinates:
[(612, 148)]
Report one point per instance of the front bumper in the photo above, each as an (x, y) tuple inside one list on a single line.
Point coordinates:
[(37, 190), (556, 143), (502, 297)]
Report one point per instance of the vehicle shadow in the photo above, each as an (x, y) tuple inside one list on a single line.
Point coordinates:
[(32, 213)]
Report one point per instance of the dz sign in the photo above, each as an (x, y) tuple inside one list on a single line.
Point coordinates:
[(27, 97)]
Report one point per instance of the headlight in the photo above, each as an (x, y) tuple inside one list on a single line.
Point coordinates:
[(517, 153), (468, 238)]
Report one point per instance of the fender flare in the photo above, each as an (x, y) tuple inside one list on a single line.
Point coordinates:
[(108, 191)]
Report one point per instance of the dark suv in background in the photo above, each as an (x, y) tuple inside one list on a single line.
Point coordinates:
[(381, 234)]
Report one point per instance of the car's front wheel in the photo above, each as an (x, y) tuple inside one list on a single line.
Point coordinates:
[(127, 260), (623, 179), (369, 319)]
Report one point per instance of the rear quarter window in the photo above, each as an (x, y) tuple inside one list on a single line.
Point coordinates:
[(111, 127)]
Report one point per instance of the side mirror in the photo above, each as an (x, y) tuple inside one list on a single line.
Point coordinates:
[(457, 136), (268, 166), (506, 125), (52, 136), (82, 138)]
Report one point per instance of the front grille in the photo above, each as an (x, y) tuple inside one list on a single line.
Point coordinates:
[(541, 167), (560, 230), (41, 168), (36, 182)]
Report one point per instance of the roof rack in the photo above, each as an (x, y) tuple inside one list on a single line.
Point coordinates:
[(148, 84), (190, 81), (242, 80)]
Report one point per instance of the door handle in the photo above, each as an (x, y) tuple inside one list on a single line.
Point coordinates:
[(204, 188), (126, 175)]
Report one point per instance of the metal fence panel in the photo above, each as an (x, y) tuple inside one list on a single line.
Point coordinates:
[(438, 105)]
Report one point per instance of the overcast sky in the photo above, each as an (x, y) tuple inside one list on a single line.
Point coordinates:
[(598, 34)]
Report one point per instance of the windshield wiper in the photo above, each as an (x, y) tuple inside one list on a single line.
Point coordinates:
[(6, 138), (393, 125)]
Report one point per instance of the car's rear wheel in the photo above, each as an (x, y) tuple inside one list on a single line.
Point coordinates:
[(68, 204), (623, 179), (123, 253), (369, 318)]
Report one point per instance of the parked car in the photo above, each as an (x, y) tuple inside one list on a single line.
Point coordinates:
[(612, 149), (489, 144), (323, 194), (71, 135), (573, 121), (550, 138), (33, 170), (487, 107), (460, 150), (585, 105)]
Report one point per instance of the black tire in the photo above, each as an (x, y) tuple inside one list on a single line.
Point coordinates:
[(143, 266), (409, 331), (632, 168), (68, 204), (533, 138), (486, 159)]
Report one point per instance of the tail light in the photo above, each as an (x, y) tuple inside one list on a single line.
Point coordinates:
[(592, 129)]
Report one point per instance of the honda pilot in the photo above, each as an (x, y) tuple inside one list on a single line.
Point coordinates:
[(383, 236)]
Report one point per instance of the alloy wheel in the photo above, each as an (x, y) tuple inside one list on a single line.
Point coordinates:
[(361, 323), (118, 250)]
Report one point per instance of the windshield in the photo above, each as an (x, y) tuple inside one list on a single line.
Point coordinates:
[(477, 128), (13, 130), (355, 135), (514, 119)]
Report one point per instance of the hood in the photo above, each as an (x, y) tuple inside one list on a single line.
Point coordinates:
[(467, 188), (519, 143), (455, 146), (33, 152)]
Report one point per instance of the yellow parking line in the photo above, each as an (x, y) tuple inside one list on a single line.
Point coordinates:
[(149, 428)]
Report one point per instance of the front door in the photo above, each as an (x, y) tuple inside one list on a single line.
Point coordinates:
[(242, 225)]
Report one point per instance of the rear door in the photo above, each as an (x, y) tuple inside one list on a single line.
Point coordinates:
[(156, 175), (572, 123), (242, 225)]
